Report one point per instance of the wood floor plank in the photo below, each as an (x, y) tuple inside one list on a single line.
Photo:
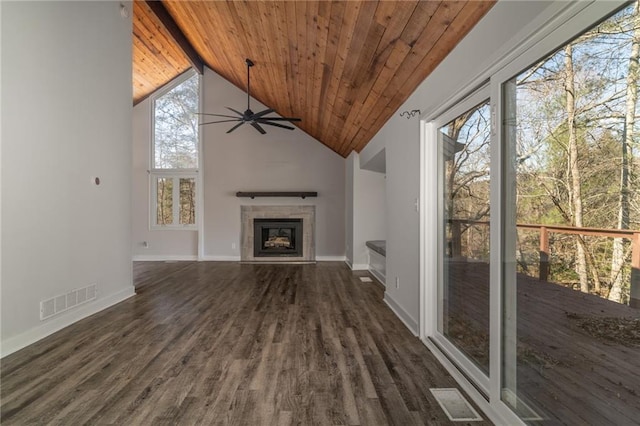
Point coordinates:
[(230, 344)]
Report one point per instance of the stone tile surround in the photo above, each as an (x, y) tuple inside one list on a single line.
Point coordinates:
[(306, 213)]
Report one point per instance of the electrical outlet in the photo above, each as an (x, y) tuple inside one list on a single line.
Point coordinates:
[(233, 246), (397, 282)]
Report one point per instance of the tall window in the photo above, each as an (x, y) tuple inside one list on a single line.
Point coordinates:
[(175, 155)]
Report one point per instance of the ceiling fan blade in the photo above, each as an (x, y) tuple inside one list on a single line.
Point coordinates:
[(235, 127), (281, 118), (261, 113), (236, 111), (220, 121), (257, 127), (255, 119), (276, 125), (216, 115)]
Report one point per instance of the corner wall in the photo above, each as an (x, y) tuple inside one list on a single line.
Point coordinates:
[(504, 27), (66, 115), (366, 211), (244, 160), (173, 244), (281, 160), (349, 190)]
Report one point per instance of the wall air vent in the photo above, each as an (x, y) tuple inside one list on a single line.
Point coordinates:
[(58, 304)]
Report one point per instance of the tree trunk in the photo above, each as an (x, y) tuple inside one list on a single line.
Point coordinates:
[(574, 171), (593, 267), (633, 78), (455, 244)]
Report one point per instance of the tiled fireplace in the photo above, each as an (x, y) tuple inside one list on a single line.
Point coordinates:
[(277, 233)]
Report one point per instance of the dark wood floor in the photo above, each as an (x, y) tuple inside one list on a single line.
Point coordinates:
[(225, 343)]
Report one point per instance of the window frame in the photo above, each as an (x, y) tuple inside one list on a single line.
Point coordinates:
[(479, 377), (175, 173), (176, 176), (558, 25), (504, 303)]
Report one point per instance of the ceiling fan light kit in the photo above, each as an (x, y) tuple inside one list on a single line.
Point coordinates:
[(255, 119)]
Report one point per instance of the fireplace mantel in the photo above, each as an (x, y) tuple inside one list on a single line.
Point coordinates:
[(295, 194)]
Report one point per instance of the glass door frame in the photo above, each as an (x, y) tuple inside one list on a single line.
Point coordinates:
[(562, 23), (476, 375)]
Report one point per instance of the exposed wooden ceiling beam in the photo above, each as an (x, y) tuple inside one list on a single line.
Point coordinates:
[(163, 15)]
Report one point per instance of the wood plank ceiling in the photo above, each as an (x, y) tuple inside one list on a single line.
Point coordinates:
[(157, 58), (344, 67)]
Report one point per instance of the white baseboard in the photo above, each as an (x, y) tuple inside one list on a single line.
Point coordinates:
[(407, 319), (220, 258), (331, 258), (378, 276), (49, 327), (357, 266), (162, 258)]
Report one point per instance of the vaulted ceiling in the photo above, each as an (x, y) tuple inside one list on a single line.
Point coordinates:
[(342, 66)]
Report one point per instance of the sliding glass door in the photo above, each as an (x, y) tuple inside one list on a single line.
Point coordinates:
[(463, 139), (571, 340), (536, 293)]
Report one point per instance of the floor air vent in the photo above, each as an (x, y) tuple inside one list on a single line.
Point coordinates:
[(366, 280), (64, 302), (455, 405)]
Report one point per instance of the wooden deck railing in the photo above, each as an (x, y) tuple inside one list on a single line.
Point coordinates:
[(545, 230)]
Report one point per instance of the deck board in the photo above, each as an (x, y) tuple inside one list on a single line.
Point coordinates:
[(564, 373)]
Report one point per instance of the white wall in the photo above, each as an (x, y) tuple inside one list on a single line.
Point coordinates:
[(403, 220), (244, 160), (350, 167), (161, 244), (505, 26), (281, 160), (66, 115), (377, 163), (366, 211)]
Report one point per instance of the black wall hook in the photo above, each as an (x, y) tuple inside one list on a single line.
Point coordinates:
[(410, 114)]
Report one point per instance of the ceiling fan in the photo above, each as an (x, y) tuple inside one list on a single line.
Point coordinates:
[(253, 118)]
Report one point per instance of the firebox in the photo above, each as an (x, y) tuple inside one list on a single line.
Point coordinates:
[(277, 237)]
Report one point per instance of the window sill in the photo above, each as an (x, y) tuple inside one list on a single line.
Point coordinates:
[(173, 228)]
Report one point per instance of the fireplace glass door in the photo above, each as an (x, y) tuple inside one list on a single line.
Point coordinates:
[(277, 237)]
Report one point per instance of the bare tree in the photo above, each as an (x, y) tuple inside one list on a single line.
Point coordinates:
[(467, 171), (575, 189), (633, 79)]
